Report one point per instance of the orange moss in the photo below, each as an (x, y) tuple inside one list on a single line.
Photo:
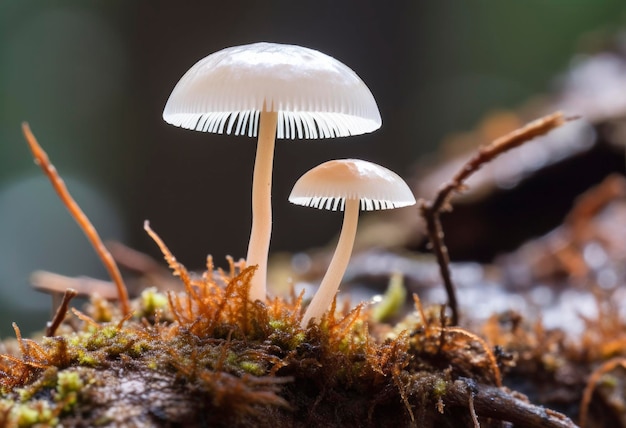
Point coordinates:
[(222, 360)]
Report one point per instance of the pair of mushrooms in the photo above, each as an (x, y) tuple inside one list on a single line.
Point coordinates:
[(285, 91)]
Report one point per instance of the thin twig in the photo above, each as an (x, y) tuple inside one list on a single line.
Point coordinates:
[(431, 211), (435, 234), (59, 316), (472, 410), (41, 159)]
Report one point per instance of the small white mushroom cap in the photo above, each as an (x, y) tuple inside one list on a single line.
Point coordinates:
[(350, 185), (315, 95), (328, 185)]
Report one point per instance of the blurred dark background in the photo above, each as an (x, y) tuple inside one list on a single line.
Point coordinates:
[(92, 79)]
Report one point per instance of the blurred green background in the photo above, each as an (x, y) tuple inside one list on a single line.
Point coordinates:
[(92, 79)]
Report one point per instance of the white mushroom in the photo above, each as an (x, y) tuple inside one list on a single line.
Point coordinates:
[(346, 184), (281, 91)]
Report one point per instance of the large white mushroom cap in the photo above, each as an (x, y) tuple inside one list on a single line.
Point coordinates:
[(315, 95), (328, 185)]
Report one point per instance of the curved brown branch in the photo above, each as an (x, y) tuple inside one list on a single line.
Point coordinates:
[(41, 159), (431, 211)]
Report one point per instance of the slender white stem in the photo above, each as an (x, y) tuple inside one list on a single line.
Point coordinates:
[(330, 283), (258, 247)]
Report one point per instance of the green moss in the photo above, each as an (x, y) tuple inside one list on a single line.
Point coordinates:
[(26, 416), (87, 359), (232, 358), (277, 324), (285, 334), (152, 301), (240, 359), (69, 385), (34, 413), (47, 379), (440, 387), (392, 301), (252, 368), (109, 332), (74, 340), (138, 349), (69, 381)]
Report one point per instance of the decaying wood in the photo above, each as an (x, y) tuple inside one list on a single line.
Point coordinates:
[(500, 404)]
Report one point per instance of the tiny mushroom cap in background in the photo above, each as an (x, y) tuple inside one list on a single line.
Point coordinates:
[(273, 91), (346, 184)]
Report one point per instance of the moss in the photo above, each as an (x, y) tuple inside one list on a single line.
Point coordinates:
[(47, 379), (28, 416), (392, 301), (236, 363), (151, 302), (87, 359), (252, 368), (231, 362), (440, 387), (33, 413), (68, 388)]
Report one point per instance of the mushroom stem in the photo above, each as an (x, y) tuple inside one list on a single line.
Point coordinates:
[(258, 247), (330, 283)]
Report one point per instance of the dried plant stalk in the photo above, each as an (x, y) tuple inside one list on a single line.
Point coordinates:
[(59, 315), (431, 210), (41, 159)]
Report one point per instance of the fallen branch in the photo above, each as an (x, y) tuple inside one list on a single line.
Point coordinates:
[(496, 403)]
